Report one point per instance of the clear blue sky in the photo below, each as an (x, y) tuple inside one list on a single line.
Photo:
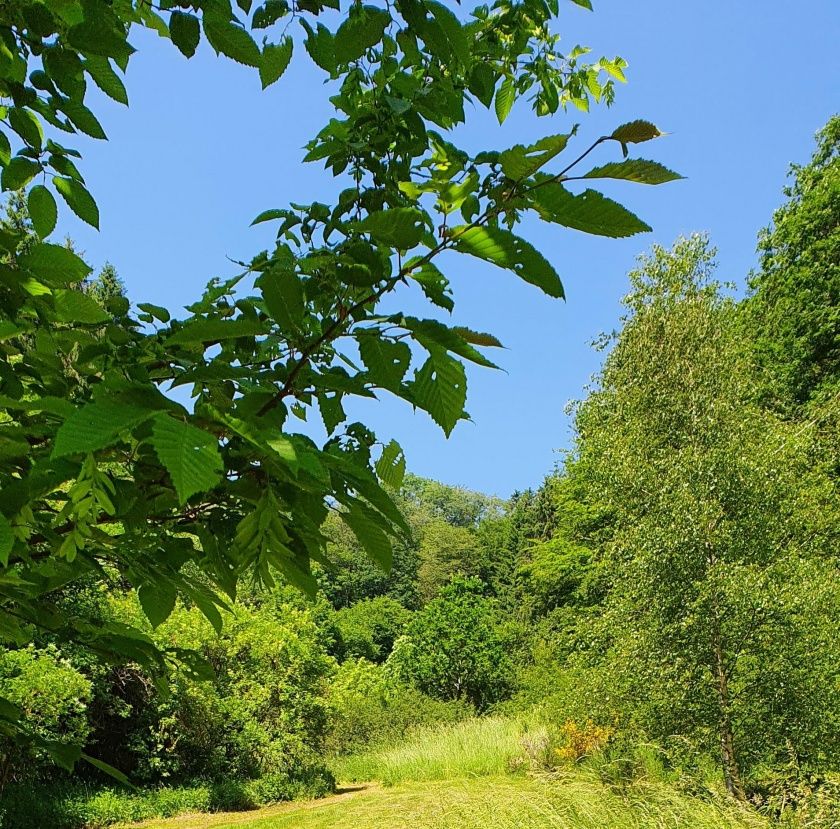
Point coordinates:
[(741, 88)]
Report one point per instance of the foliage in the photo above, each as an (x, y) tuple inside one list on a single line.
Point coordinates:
[(368, 708), (718, 581), (793, 312), (369, 628), (102, 468), (53, 696), (454, 649)]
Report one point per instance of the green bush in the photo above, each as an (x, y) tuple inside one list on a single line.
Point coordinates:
[(454, 648), (369, 707), (369, 628)]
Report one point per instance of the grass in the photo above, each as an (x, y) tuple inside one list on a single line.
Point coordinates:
[(509, 802), (476, 747), (460, 777)]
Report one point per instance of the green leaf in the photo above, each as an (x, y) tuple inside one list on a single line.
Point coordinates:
[(5, 149), (505, 96), (391, 465), (521, 162), (157, 311), (190, 455), (18, 173), (590, 211), (369, 534), (440, 388), (157, 601), (282, 293), (82, 118), (433, 283), (7, 540), (274, 61), (386, 361), (54, 264), (359, 32), (320, 44), (99, 68), (332, 411), (635, 132), (27, 126), (42, 210), (75, 306), (398, 227), (635, 169), (108, 769), (503, 248), (229, 39), (78, 199), (482, 83), (95, 426), (431, 333), (185, 31), (454, 33), (213, 330)]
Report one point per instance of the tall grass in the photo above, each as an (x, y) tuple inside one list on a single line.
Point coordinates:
[(476, 747)]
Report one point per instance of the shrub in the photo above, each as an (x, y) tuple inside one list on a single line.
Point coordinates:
[(368, 629), (453, 648), (369, 707)]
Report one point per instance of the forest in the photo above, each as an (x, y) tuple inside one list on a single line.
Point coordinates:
[(224, 598)]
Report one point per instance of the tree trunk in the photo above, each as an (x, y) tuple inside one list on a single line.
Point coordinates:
[(731, 774)]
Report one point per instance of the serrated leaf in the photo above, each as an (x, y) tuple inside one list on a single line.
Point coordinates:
[(635, 169), (320, 44), (213, 330), (386, 361), (99, 68), (359, 32), (230, 40), (482, 83), (7, 540), (42, 210), (74, 306), (440, 388), (332, 411), (274, 61), (398, 227), (185, 31), (391, 465), (26, 124), (433, 283), (82, 118), (635, 132), (521, 162), (370, 535), (454, 33), (18, 173), (95, 426), (282, 293), (190, 455), (431, 334), (157, 601), (503, 248), (590, 211), (54, 264), (477, 337), (505, 96), (78, 199)]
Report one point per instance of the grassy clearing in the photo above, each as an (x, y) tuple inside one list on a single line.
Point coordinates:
[(477, 747), (566, 802)]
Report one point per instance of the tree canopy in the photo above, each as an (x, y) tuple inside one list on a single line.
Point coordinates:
[(102, 468)]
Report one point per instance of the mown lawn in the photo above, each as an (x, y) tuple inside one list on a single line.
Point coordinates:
[(565, 802)]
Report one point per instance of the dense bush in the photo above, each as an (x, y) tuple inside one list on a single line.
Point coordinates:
[(454, 650), (369, 628), (369, 707)]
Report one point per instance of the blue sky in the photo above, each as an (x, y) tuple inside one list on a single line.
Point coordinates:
[(740, 88)]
